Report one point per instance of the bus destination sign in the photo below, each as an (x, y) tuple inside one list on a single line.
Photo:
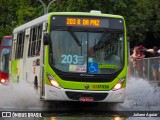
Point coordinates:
[(86, 22), (83, 22)]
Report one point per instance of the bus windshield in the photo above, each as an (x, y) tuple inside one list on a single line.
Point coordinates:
[(99, 51), (6, 42), (4, 65)]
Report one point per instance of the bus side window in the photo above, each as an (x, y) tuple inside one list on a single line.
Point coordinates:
[(35, 41), (13, 50), (13, 47), (34, 37), (20, 45), (39, 38), (30, 43)]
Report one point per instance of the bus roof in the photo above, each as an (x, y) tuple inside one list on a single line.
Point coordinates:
[(7, 37), (87, 14), (31, 23), (45, 18)]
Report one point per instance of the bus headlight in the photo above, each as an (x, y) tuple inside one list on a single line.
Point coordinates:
[(119, 84), (2, 80), (53, 81)]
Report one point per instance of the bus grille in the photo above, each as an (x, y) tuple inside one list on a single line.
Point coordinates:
[(77, 95)]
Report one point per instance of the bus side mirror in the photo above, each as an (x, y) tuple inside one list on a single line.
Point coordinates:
[(47, 39)]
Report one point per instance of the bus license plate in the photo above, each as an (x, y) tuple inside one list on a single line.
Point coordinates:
[(86, 99)]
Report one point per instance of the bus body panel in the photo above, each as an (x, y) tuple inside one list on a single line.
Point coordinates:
[(32, 70), (4, 76), (81, 85), (14, 76)]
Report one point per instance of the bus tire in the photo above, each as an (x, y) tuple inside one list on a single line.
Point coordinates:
[(17, 79), (36, 83)]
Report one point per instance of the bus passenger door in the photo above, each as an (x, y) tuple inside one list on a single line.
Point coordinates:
[(42, 83), (42, 58), (25, 53)]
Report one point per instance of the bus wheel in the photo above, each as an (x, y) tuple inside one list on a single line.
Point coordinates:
[(36, 83), (17, 79)]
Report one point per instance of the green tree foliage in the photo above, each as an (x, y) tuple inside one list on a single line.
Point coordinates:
[(7, 18), (142, 16)]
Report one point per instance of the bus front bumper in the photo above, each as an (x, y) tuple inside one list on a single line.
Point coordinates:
[(55, 94)]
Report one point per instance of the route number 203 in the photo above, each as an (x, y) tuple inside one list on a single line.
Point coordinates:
[(68, 59)]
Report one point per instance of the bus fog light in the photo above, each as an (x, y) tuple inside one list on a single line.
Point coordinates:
[(53, 81)]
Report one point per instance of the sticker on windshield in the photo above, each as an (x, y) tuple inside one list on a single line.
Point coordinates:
[(109, 66), (72, 59), (92, 67), (90, 59), (80, 60), (77, 68)]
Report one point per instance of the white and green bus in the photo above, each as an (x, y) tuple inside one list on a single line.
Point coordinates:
[(72, 56)]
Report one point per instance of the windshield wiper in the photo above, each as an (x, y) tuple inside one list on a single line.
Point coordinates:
[(75, 37), (102, 40)]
